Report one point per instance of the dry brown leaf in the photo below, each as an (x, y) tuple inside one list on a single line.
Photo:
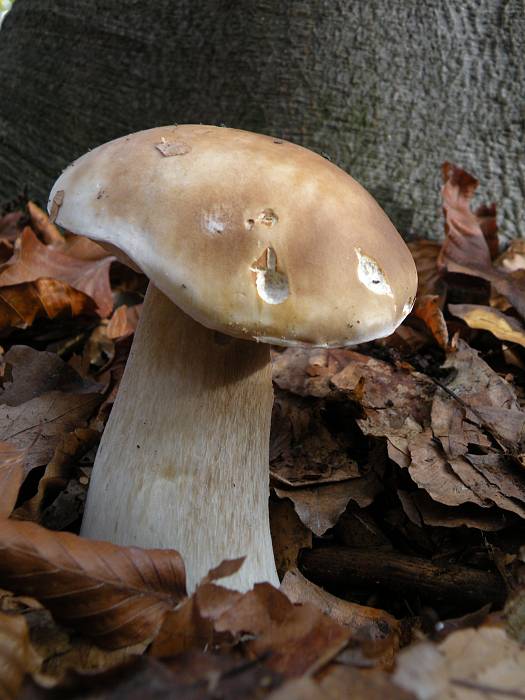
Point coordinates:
[(36, 372), (308, 371), (38, 425), (289, 535), (428, 309), (430, 470), (302, 449), (451, 428), (34, 260), (304, 642), (70, 446), (123, 322), (12, 475), (489, 319), (294, 639), (422, 510), (396, 402), (41, 225), (368, 625), (115, 595), (42, 402), (465, 248), (345, 683), (470, 664), (492, 401), (17, 657), (22, 304), (319, 507)]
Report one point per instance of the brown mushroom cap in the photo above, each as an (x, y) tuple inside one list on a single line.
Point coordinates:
[(250, 235)]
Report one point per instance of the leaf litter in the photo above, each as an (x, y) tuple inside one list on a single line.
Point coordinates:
[(397, 502)]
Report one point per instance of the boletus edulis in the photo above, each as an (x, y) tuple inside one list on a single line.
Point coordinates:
[(242, 235)]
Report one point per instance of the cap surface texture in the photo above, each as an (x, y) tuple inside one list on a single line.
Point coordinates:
[(250, 235)]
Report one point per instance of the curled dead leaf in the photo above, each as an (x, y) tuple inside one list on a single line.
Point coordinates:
[(428, 309), (489, 319), (372, 627)]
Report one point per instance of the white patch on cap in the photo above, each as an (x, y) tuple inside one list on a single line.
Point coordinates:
[(212, 224), (371, 275), (272, 286)]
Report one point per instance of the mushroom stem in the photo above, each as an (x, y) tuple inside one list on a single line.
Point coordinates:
[(184, 459)]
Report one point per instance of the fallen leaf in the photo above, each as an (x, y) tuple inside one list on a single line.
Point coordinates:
[(115, 595), (319, 507), (471, 663), (34, 260), (423, 510), (300, 639), (428, 309), (22, 304), (303, 451), (465, 248), (38, 425), (289, 535), (17, 657), (308, 371), (396, 403), (490, 401), (12, 475), (430, 470), (123, 322), (368, 625), (36, 372), (489, 319), (344, 682)]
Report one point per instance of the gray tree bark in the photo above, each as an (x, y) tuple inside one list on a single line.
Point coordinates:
[(388, 90)]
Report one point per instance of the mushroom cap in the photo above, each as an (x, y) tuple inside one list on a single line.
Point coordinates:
[(250, 235)]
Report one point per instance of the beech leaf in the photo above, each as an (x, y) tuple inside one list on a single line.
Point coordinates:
[(488, 319), (11, 476), (33, 260), (115, 595), (22, 304), (428, 309)]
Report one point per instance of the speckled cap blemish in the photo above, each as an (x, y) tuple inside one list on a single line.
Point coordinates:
[(252, 236)]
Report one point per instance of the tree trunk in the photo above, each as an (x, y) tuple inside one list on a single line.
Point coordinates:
[(387, 90)]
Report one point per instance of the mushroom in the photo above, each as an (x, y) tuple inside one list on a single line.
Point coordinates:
[(241, 235)]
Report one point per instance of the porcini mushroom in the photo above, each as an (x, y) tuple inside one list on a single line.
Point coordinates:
[(251, 237)]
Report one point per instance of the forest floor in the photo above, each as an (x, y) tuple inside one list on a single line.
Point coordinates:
[(397, 495)]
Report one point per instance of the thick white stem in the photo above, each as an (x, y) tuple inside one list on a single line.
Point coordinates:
[(183, 462)]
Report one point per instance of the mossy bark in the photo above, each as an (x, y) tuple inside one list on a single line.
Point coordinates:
[(387, 90)]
